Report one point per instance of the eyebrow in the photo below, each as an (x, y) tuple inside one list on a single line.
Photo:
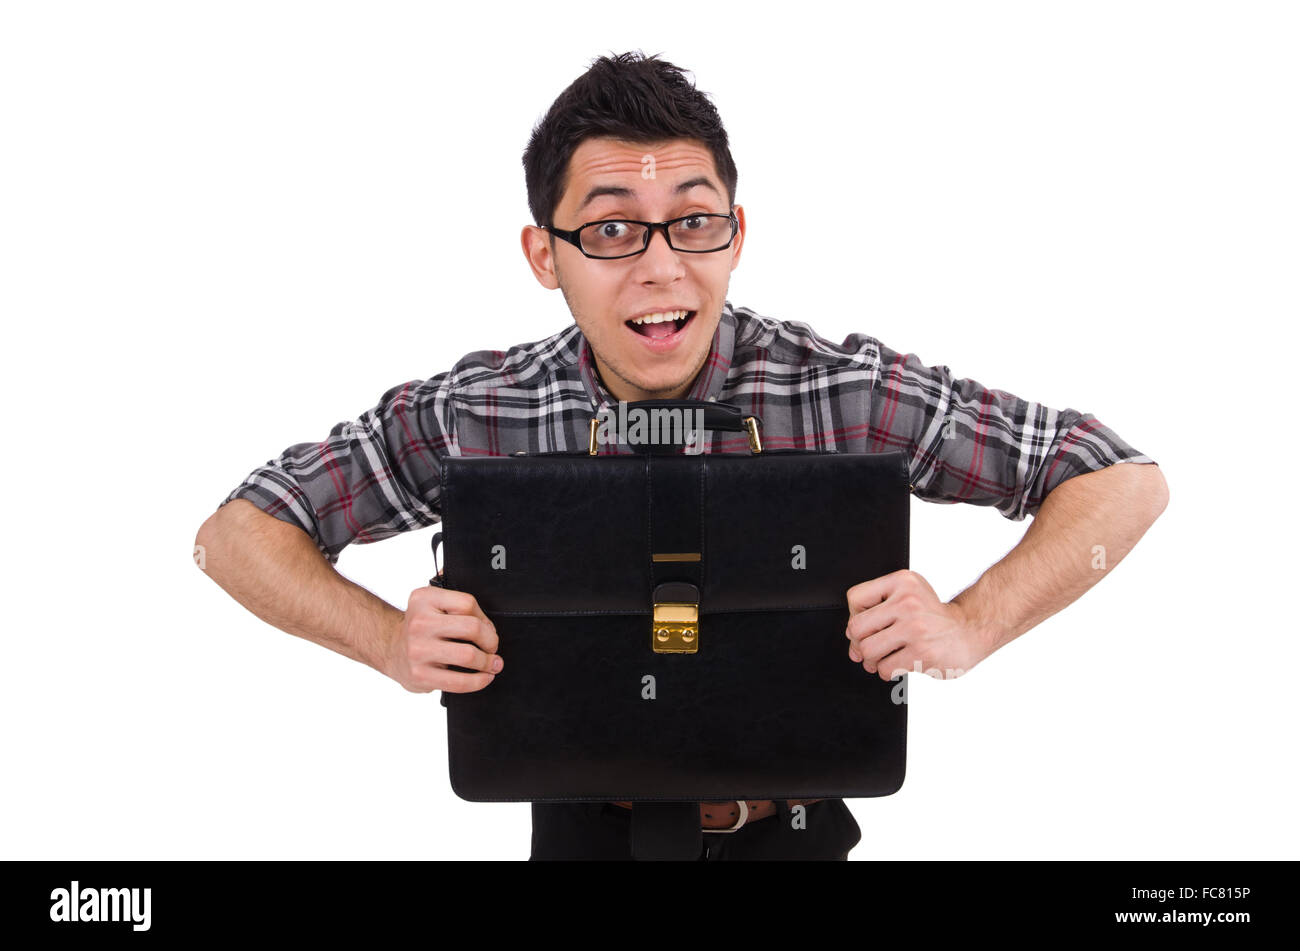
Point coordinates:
[(618, 191)]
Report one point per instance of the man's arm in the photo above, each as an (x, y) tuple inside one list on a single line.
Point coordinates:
[(371, 478), (277, 572), (1091, 494), (273, 542), (1085, 527)]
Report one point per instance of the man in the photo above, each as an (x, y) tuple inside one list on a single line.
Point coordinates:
[(632, 187)]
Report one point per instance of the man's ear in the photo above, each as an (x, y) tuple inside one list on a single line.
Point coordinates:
[(740, 237), (540, 254)]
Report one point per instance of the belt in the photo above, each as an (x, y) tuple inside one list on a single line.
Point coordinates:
[(730, 816)]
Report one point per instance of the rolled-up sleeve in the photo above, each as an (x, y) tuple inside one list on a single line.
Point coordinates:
[(370, 479), (972, 444)]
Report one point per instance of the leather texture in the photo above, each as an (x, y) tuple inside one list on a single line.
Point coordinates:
[(578, 531), (558, 552)]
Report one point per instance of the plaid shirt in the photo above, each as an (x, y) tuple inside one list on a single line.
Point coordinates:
[(379, 475)]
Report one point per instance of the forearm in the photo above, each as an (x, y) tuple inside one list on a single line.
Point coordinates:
[(1083, 529), (276, 571)]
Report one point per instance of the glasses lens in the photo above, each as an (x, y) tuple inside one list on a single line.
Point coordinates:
[(701, 233), (615, 239), (611, 239)]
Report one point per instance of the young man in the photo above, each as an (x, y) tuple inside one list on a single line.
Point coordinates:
[(632, 187)]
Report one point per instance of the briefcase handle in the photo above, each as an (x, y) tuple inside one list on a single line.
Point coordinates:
[(724, 417)]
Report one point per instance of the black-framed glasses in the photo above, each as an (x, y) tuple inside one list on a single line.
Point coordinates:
[(622, 238)]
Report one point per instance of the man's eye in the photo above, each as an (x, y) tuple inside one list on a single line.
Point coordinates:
[(694, 223), (612, 229)]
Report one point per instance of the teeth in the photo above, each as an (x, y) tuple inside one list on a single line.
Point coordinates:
[(660, 318)]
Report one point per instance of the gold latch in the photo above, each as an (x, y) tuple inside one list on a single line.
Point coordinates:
[(675, 626)]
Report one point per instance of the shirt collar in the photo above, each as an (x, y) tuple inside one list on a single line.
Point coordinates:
[(708, 382)]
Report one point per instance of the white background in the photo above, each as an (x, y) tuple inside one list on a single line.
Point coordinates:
[(225, 227)]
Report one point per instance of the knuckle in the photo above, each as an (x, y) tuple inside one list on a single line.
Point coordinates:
[(462, 601), (420, 635), (417, 684), (421, 612), (451, 627)]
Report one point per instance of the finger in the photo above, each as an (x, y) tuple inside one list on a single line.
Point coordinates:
[(428, 628), (446, 601), (876, 648), (466, 656), (854, 655), (896, 664), (452, 681), (870, 593), (871, 621), (459, 602), (480, 632)]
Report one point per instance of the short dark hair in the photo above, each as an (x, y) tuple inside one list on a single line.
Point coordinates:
[(629, 96)]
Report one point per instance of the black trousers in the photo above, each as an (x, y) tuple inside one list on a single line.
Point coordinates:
[(599, 830)]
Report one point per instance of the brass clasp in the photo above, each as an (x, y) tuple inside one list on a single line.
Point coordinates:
[(675, 625), (676, 628)]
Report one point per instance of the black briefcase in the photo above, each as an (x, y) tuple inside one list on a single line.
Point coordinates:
[(673, 625)]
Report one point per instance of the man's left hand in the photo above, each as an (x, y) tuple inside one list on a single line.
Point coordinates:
[(897, 624)]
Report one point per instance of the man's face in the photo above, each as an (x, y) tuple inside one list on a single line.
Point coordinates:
[(608, 179)]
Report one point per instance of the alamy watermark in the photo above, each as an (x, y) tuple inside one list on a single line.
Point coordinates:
[(642, 426), (899, 692), (78, 903)]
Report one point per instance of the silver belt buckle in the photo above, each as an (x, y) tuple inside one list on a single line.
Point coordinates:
[(744, 815)]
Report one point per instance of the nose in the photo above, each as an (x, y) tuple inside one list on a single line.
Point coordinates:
[(658, 263)]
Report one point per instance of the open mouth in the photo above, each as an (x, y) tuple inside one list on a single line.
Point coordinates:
[(662, 325)]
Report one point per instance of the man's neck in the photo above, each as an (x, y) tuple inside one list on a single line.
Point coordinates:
[(626, 393)]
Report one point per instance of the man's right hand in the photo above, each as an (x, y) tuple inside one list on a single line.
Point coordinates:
[(442, 629)]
